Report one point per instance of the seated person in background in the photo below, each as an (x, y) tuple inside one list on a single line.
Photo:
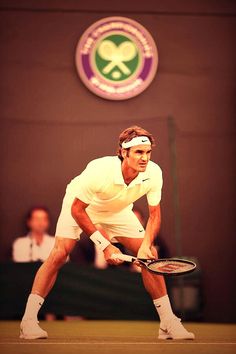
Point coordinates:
[(37, 244)]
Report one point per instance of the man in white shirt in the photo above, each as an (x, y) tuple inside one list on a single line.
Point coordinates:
[(37, 244), (99, 201)]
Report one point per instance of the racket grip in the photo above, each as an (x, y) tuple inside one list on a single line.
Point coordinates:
[(122, 257)]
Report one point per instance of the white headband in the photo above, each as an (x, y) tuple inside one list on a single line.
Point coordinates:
[(138, 140)]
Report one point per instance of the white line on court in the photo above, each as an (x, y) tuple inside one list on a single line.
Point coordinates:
[(118, 343)]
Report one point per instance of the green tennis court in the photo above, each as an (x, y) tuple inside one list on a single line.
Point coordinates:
[(87, 337)]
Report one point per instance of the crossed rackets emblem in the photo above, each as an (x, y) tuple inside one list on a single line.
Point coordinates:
[(117, 55)]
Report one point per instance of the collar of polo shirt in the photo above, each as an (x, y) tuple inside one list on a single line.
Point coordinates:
[(119, 179)]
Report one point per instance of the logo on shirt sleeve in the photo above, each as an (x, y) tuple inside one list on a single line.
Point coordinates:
[(145, 179)]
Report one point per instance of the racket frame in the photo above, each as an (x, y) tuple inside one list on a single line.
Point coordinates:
[(148, 262), (167, 260)]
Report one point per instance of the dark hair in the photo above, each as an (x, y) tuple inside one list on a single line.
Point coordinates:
[(130, 133), (35, 208)]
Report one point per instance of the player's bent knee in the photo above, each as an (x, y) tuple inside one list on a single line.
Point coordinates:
[(58, 257)]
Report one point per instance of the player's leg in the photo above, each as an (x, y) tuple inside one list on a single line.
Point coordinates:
[(47, 273), (170, 326), (154, 284), (43, 282)]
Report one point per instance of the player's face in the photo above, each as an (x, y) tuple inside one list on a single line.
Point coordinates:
[(137, 157), (39, 221)]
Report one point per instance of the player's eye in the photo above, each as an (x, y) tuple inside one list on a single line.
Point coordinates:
[(142, 152)]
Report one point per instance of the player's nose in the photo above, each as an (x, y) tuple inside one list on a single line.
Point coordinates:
[(144, 157)]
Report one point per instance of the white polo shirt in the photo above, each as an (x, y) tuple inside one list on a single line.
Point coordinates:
[(102, 186), (25, 249)]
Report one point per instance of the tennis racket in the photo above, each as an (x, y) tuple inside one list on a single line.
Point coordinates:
[(166, 266)]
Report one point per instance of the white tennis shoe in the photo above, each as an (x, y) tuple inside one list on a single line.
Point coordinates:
[(29, 329), (173, 329)]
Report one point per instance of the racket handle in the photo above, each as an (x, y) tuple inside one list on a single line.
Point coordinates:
[(122, 257)]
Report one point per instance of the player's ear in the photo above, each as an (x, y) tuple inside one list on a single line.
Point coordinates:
[(124, 153)]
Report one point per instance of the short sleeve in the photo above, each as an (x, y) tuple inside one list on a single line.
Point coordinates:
[(154, 194), (88, 184)]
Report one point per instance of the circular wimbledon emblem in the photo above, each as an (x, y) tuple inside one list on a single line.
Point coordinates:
[(116, 58)]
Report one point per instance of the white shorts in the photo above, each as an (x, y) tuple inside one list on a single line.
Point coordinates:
[(120, 224)]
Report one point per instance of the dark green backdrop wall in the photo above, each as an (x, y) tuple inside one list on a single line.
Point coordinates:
[(51, 125)]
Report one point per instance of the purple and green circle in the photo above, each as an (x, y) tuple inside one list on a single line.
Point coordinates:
[(116, 58)]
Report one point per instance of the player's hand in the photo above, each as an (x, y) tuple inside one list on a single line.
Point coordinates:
[(146, 252), (108, 252)]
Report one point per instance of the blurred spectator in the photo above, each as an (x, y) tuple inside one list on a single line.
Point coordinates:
[(37, 244)]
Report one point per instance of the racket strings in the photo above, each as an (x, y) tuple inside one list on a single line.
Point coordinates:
[(171, 267)]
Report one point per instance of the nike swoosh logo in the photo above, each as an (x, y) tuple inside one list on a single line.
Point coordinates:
[(140, 230), (145, 179), (164, 330), (144, 141)]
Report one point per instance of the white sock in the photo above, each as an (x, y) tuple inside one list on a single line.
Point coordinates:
[(33, 306), (163, 308)]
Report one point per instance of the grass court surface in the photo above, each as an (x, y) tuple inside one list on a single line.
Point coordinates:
[(123, 337)]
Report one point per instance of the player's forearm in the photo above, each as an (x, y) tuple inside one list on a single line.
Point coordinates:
[(78, 211), (153, 225), (81, 217), (152, 229), (84, 222)]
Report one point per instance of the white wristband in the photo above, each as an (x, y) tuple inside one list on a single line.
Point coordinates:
[(99, 240)]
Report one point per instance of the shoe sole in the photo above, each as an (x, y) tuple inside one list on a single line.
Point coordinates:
[(166, 337), (23, 336)]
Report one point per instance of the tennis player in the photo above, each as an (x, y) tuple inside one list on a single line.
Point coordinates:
[(99, 202)]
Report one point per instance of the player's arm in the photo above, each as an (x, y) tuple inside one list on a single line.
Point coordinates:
[(78, 211), (98, 236), (152, 229)]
